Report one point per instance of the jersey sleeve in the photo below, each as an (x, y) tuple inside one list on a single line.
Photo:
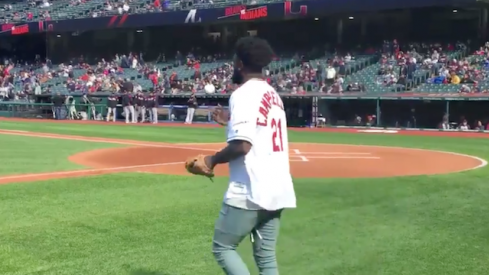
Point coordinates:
[(242, 121)]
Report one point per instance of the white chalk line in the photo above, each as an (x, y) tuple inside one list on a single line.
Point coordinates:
[(337, 157), (200, 143), (345, 158), (86, 139), (482, 161), (303, 158), (81, 171), (334, 153)]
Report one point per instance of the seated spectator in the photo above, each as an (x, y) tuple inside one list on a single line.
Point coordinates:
[(45, 4), (454, 78), (336, 88), (402, 80), (486, 64), (466, 79), (479, 126), (445, 125), (465, 89), (481, 51), (464, 126), (439, 79), (443, 71), (354, 87), (126, 8)]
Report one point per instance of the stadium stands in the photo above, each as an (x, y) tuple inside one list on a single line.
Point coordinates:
[(373, 73), (21, 11), (383, 78), (460, 75)]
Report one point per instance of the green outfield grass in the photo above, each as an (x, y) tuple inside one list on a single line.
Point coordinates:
[(20, 154), (143, 224)]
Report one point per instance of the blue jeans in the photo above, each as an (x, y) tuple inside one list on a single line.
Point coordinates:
[(57, 112), (235, 224)]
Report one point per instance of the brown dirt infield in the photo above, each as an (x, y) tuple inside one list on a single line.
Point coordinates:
[(307, 160)]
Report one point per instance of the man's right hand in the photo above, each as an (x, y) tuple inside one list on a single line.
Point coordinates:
[(220, 115)]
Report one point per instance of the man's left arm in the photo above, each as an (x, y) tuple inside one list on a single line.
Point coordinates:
[(235, 149)]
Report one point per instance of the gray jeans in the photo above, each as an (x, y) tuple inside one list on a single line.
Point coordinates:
[(235, 224)]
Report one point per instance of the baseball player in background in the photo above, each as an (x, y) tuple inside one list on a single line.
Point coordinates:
[(127, 103), (70, 103), (112, 107), (192, 105), (140, 107), (260, 183), (152, 107)]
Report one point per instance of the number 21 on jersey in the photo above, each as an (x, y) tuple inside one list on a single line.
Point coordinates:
[(278, 144)]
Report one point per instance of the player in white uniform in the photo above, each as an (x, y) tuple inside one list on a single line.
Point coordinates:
[(260, 184)]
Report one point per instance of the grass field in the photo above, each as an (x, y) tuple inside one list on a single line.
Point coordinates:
[(141, 224)]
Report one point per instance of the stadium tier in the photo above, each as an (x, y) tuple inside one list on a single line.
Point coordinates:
[(372, 74), (345, 53), (22, 11)]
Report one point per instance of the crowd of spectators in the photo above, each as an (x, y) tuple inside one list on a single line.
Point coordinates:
[(324, 75), (462, 124), (469, 71), (399, 67), (106, 76), (25, 11), (25, 14)]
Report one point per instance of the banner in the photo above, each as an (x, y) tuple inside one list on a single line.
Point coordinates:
[(278, 10)]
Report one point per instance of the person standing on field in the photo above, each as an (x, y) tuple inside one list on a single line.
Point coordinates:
[(152, 107), (58, 102), (140, 107), (260, 184), (127, 103), (192, 105), (112, 107)]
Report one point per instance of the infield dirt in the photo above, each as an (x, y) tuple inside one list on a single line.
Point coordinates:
[(307, 160)]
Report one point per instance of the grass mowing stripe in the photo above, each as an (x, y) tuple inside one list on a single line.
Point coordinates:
[(21, 154)]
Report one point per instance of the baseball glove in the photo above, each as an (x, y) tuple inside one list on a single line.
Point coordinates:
[(197, 166)]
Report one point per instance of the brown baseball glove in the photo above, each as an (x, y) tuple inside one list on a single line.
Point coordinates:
[(197, 166)]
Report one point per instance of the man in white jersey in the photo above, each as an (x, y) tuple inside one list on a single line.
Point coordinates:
[(260, 184)]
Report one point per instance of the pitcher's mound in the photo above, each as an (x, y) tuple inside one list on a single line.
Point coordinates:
[(307, 160)]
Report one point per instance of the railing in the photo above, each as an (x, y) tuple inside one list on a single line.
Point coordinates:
[(410, 111), (46, 110), (95, 111)]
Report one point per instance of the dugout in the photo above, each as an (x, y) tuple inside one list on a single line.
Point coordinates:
[(405, 111)]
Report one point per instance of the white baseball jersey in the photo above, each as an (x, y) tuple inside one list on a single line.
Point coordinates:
[(261, 179)]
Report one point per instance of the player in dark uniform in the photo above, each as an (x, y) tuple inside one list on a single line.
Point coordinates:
[(127, 103), (152, 106), (140, 106), (112, 106)]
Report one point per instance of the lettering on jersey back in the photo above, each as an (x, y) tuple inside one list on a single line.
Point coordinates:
[(268, 100)]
